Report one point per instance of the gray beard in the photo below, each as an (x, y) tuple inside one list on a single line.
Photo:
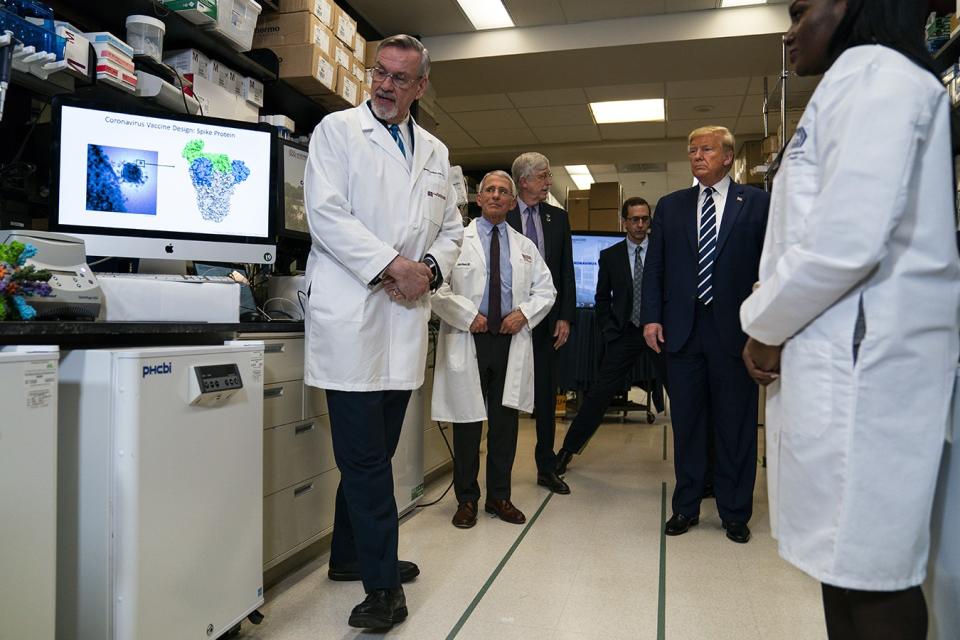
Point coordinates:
[(384, 115)]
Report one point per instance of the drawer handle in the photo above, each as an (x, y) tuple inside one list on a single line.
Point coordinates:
[(276, 347), (274, 392), (299, 491), (304, 428)]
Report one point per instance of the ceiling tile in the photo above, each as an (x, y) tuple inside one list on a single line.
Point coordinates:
[(548, 98), (530, 13), (475, 103), (682, 128), (753, 106), (690, 108), (625, 92), (605, 177), (750, 126), (581, 133), (422, 17), (632, 130), (568, 115), (699, 88), (504, 137), (596, 169), (691, 5), (643, 184), (474, 121), (581, 11)]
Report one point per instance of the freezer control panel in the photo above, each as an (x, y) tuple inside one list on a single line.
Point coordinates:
[(214, 383)]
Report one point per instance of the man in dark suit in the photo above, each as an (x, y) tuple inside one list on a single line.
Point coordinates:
[(618, 316), (704, 256), (549, 228)]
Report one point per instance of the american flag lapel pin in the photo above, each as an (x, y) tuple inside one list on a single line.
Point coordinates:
[(739, 198), (548, 217)]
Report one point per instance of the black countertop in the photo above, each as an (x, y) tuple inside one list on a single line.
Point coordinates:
[(127, 333)]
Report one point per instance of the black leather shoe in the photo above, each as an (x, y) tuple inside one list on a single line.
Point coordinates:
[(466, 515), (679, 524), (563, 459), (504, 510), (553, 482), (351, 572), (382, 609), (737, 531)]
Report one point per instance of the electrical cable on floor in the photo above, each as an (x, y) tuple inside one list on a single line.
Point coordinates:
[(447, 490)]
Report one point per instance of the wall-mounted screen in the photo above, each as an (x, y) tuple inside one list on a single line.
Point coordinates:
[(587, 246)]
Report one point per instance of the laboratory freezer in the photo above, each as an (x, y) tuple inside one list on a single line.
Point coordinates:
[(160, 481)]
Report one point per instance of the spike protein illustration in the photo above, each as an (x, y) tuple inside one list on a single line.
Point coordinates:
[(121, 180), (214, 177)]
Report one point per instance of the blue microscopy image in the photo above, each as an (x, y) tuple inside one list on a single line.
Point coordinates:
[(214, 176), (121, 180)]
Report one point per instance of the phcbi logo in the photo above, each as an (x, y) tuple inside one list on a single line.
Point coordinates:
[(161, 369)]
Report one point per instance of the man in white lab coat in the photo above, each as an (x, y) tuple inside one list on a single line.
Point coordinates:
[(385, 231), (499, 290)]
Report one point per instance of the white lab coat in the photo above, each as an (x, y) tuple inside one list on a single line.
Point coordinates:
[(457, 396), (862, 213), (364, 207)]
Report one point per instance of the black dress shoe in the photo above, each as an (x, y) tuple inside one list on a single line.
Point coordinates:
[(553, 482), (504, 510), (382, 609), (351, 572), (679, 524), (563, 459), (737, 531)]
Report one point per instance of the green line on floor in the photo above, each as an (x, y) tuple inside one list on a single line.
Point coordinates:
[(496, 572), (664, 441), (662, 598)]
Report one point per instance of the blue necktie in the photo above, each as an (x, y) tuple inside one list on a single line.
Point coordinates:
[(708, 246), (531, 231), (395, 132)]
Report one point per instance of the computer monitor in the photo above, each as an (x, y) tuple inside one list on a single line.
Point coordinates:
[(145, 184), (587, 246), (292, 209)]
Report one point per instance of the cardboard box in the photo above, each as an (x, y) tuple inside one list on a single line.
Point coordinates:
[(307, 68), (748, 156), (370, 56), (342, 55), (358, 72), (344, 27), (195, 11), (190, 63), (332, 102), (348, 87), (360, 48), (579, 212), (302, 27), (771, 144), (323, 9), (364, 95), (578, 194), (253, 91), (605, 219), (606, 195)]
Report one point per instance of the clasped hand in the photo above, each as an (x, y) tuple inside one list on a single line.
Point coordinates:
[(405, 279), (509, 325), (762, 361)]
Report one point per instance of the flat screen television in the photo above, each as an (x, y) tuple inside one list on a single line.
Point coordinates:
[(587, 246), (138, 183)]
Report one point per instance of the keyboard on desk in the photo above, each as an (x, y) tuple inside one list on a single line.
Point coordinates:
[(169, 277)]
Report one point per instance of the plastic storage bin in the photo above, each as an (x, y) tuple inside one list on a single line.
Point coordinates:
[(145, 35), (236, 21)]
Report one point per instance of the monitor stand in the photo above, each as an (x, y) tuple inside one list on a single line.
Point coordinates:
[(166, 267)]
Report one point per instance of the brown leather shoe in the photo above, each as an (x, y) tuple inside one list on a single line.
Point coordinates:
[(505, 510), (466, 515)]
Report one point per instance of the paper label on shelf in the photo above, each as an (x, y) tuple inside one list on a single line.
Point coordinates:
[(342, 56), (326, 73), (350, 91), (324, 10), (39, 381)]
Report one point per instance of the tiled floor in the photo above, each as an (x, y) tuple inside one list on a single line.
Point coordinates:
[(587, 566)]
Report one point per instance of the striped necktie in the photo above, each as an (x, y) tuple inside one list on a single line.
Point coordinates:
[(708, 246), (395, 132)]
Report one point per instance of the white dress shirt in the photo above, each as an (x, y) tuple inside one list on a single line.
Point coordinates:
[(721, 189)]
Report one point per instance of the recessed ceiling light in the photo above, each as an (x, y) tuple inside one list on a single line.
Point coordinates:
[(739, 3), (580, 175), (486, 14), (628, 111)]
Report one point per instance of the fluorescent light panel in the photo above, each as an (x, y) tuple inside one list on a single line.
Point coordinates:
[(580, 175), (486, 14), (628, 111), (739, 3)]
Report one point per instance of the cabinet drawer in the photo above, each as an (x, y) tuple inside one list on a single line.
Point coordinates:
[(314, 402), (282, 403), (435, 452), (298, 513), (282, 359), (294, 452)]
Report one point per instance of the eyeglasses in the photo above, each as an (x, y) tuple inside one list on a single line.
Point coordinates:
[(400, 80), (502, 191), (542, 176), (638, 219)]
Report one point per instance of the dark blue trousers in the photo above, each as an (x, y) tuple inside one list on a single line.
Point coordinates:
[(545, 397), (711, 387), (366, 429)]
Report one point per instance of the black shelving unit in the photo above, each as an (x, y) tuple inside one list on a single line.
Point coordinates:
[(948, 54)]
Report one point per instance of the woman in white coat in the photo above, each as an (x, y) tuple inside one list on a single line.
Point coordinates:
[(498, 291), (859, 287)]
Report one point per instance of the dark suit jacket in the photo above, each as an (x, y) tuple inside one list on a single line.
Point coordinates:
[(559, 258), (614, 296), (670, 272)]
